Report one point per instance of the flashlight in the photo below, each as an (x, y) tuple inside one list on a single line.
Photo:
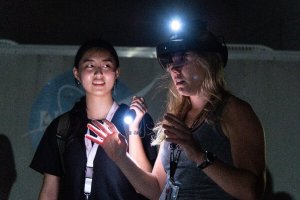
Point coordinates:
[(129, 116)]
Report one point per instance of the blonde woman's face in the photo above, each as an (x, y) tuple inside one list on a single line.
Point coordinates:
[(188, 74)]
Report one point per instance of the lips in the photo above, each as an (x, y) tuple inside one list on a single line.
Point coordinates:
[(98, 83), (179, 81)]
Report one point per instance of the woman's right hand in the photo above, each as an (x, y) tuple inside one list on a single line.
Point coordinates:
[(138, 104), (109, 138)]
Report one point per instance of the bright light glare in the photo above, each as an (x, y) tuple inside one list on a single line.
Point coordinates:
[(128, 119), (175, 25)]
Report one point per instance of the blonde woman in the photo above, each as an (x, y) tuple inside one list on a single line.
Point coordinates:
[(211, 142)]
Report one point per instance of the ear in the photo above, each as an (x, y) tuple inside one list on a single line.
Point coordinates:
[(117, 72), (76, 73)]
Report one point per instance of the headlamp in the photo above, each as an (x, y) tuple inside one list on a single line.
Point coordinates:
[(190, 40)]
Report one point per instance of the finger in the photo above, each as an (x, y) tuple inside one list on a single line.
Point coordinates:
[(168, 127), (173, 140), (174, 121), (98, 140), (122, 138), (112, 128), (170, 134), (102, 125), (172, 118), (140, 105), (175, 132), (97, 131), (141, 101)]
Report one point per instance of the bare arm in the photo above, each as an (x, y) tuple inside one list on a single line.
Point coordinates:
[(135, 145), (246, 179), (50, 187), (137, 152), (114, 144), (146, 183)]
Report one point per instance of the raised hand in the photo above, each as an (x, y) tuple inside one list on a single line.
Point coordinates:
[(177, 132), (109, 138), (139, 106)]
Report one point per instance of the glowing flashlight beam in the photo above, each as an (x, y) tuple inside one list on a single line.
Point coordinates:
[(175, 25), (129, 116)]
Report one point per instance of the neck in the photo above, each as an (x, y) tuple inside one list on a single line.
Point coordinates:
[(98, 107), (198, 104)]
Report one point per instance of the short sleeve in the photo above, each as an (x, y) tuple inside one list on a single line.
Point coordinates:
[(46, 158)]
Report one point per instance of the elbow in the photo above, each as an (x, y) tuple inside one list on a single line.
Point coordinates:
[(253, 195), (249, 194), (152, 192), (155, 195), (255, 190), (152, 196)]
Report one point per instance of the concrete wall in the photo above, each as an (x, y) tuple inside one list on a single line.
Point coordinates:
[(37, 85)]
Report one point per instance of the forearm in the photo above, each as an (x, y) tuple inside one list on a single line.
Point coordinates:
[(50, 188), (239, 183), (137, 152), (143, 182), (44, 195)]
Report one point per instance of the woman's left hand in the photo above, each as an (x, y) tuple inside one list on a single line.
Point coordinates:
[(177, 132)]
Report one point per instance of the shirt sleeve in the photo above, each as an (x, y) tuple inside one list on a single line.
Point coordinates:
[(46, 158)]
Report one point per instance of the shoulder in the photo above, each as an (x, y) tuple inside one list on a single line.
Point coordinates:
[(237, 115), (236, 106), (57, 122)]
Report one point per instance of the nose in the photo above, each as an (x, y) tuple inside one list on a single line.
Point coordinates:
[(98, 70), (176, 68)]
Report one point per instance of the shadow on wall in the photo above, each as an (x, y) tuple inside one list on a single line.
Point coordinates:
[(7, 167), (269, 193)]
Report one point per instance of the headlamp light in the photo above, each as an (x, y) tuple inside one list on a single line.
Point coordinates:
[(190, 40)]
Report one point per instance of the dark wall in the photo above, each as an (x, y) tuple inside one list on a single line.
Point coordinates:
[(274, 23)]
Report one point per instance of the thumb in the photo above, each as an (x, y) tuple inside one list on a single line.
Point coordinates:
[(122, 139)]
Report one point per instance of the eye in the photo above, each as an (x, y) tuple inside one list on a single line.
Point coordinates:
[(107, 67), (90, 66)]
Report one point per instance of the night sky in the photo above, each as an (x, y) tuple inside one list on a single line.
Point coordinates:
[(274, 23)]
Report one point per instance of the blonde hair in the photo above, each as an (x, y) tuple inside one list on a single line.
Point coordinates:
[(213, 87)]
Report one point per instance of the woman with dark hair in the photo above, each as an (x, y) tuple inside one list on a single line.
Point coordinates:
[(77, 168), (211, 142)]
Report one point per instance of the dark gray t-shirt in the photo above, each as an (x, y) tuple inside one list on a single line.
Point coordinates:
[(193, 182)]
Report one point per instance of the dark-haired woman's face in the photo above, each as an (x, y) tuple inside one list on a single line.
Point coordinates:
[(97, 72)]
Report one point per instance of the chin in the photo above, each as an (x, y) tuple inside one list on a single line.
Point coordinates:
[(183, 92)]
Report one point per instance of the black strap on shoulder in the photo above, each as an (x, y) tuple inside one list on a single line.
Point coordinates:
[(218, 113), (62, 134)]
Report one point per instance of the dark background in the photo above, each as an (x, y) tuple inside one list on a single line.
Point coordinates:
[(274, 23)]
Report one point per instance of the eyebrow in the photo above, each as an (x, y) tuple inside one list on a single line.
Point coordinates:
[(93, 60)]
